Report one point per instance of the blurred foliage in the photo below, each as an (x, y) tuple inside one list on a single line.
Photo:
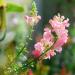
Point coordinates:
[(15, 34), (14, 8), (2, 3)]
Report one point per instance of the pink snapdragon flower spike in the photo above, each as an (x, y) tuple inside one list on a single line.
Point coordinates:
[(48, 42), (59, 25), (32, 20)]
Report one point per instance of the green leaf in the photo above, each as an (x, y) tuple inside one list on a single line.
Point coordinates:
[(14, 8)]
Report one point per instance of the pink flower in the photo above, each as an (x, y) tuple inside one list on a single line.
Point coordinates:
[(47, 35), (47, 30), (45, 42), (65, 23), (50, 54), (55, 24), (47, 39), (59, 49), (39, 46), (61, 32), (60, 42), (59, 22), (36, 53), (29, 19), (32, 20), (59, 25)]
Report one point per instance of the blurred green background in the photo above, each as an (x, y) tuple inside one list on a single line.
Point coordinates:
[(61, 64)]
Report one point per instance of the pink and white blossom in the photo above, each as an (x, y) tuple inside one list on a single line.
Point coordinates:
[(39, 46), (50, 54), (58, 24), (32, 20)]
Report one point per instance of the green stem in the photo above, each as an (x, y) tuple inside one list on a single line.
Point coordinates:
[(22, 49), (32, 60)]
